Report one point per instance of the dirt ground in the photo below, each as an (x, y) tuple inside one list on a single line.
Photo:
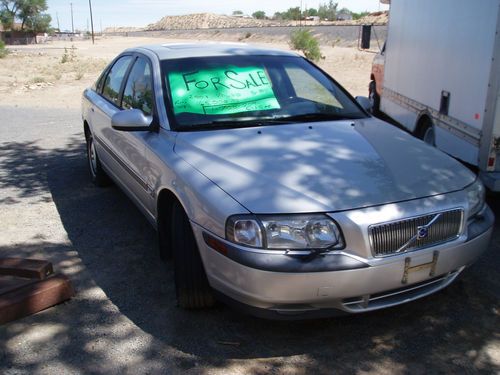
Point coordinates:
[(53, 75), (123, 319)]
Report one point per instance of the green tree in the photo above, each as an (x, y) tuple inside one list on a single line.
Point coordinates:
[(29, 12), (328, 11), (260, 14), (8, 12), (39, 23), (292, 14), (6, 19), (278, 16), (311, 12)]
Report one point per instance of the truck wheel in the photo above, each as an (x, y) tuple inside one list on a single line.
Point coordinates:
[(374, 97), (426, 131), (191, 283), (97, 174), (429, 136)]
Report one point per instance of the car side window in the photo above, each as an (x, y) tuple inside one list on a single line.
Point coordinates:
[(113, 82), (138, 92), (100, 82)]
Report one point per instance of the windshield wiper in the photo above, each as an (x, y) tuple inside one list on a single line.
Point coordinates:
[(318, 116), (231, 124), (275, 120)]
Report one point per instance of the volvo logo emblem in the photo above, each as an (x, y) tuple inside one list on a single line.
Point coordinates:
[(422, 232)]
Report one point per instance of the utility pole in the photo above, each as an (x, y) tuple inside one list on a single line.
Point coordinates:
[(57, 18), (300, 14), (72, 24), (91, 21)]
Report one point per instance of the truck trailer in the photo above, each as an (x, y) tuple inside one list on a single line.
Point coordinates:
[(438, 75)]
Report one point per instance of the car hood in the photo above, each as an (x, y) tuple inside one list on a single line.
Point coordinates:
[(321, 166)]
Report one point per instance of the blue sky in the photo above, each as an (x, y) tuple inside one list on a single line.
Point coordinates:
[(141, 13)]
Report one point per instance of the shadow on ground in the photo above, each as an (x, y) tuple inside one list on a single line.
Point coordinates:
[(452, 331)]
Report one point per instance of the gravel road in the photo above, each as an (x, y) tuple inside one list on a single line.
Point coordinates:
[(124, 319)]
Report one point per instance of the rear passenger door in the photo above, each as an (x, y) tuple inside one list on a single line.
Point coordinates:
[(105, 105)]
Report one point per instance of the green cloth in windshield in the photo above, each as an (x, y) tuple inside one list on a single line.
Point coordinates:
[(223, 90)]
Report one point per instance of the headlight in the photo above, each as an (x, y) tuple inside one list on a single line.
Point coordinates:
[(244, 230), (475, 197), (283, 232)]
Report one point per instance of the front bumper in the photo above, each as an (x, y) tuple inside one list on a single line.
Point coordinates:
[(348, 283)]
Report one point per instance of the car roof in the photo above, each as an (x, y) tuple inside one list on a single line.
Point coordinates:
[(172, 51)]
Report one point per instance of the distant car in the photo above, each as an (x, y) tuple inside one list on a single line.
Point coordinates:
[(274, 189)]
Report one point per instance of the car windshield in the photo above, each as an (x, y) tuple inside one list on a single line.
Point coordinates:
[(238, 91)]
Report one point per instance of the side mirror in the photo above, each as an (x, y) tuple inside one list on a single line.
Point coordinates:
[(131, 120), (365, 103)]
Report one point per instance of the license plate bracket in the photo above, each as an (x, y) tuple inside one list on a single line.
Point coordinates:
[(431, 265)]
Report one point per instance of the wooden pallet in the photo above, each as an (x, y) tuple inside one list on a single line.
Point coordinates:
[(28, 286)]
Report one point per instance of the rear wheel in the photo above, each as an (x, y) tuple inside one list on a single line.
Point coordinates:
[(191, 284), (97, 174)]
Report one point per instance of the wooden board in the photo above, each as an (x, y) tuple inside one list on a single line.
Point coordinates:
[(30, 268), (28, 286)]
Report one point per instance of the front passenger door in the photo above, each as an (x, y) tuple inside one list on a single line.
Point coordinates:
[(130, 145)]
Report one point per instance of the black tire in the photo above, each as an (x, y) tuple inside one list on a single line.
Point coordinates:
[(426, 132), (191, 284), (164, 240), (374, 97), (97, 174)]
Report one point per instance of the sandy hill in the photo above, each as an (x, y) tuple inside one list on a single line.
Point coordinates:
[(216, 21), (206, 21)]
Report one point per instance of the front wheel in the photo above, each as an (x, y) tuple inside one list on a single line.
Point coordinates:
[(191, 284)]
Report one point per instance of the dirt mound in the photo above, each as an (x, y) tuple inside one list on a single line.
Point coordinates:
[(379, 18), (217, 21), (206, 21)]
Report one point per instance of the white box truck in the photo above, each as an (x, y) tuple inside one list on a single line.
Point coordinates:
[(438, 75)]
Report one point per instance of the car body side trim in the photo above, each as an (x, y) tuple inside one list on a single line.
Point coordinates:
[(129, 170)]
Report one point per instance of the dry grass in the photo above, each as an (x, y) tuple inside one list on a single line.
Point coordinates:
[(25, 69)]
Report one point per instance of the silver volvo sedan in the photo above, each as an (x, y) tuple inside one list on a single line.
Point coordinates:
[(272, 188)]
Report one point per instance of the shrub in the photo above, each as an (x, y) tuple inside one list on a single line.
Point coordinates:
[(68, 56), (65, 56), (303, 40), (3, 51)]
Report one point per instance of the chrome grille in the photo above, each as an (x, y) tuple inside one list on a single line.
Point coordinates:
[(401, 236)]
